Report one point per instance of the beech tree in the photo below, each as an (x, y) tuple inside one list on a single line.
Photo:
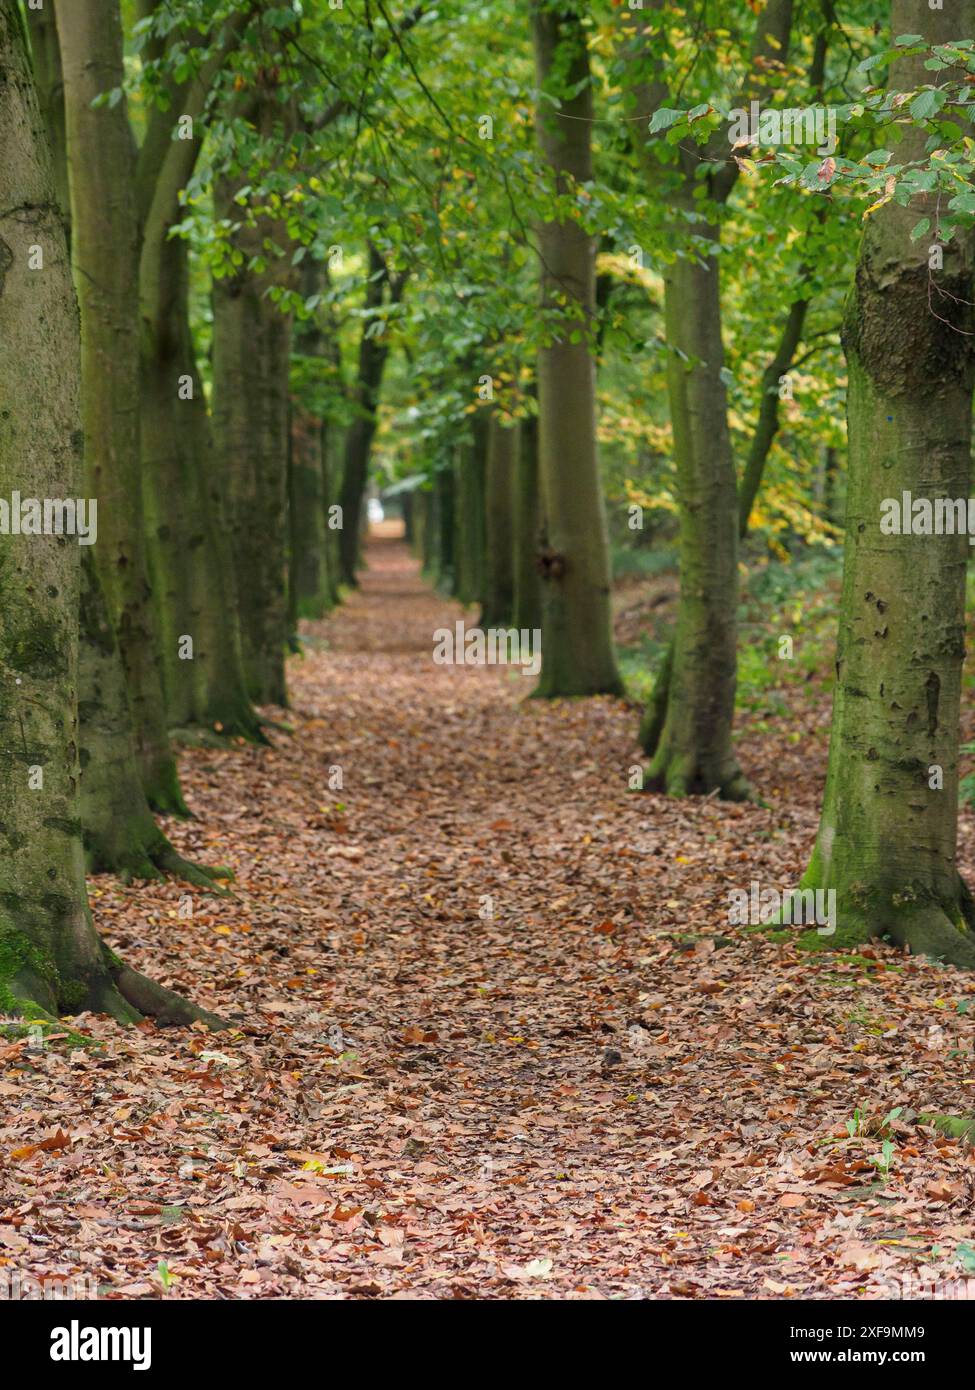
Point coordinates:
[(577, 647), (51, 959), (887, 834), (100, 154)]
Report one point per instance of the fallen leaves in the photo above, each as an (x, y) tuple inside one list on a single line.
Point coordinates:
[(591, 1090)]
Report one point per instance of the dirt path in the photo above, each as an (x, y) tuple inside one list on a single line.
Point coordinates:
[(472, 1058)]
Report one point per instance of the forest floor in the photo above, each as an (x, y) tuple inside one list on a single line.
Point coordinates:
[(489, 1041)]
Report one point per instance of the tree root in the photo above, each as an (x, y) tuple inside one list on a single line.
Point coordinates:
[(208, 736), (928, 930), (682, 775), (116, 990), (138, 849), (152, 1000)]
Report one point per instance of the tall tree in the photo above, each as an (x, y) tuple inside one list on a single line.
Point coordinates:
[(51, 959), (525, 530), (687, 729), (502, 458), (105, 238), (373, 352), (190, 562), (887, 832), (119, 831), (577, 646), (251, 360)]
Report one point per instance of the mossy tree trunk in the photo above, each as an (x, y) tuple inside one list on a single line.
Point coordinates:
[(51, 959), (120, 833), (577, 646), (101, 160), (499, 579), (693, 752), (119, 830), (887, 833), (49, 77)]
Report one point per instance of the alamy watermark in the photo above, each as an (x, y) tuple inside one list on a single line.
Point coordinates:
[(17, 1286), (923, 516), (50, 516), (498, 646)]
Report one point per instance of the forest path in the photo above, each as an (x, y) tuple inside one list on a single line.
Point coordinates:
[(472, 1060)]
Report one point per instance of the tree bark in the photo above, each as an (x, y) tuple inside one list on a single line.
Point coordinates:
[(310, 581), (577, 647), (687, 726), (694, 752), (190, 564), (373, 352), (105, 238), (51, 959), (499, 578), (251, 363), (526, 530), (469, 516), (887, 837), (446, 502)]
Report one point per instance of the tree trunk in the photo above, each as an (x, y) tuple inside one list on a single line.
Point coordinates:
[(189, 556), (465, 525), (693, 752), (577, 648), (526, 530), (446, 501), (251, 347), (502, 456), (469, 519), (687, 725), (429, 531), (49, 76), (373, 351), (309, 580), (51, 959), (105, 239), (887, 833), (119, 831)]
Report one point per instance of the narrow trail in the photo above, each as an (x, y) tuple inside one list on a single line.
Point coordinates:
[(473, 1056)]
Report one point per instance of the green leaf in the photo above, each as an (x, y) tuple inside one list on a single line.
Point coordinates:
[(926, 103), (663, 119), (919, 228)]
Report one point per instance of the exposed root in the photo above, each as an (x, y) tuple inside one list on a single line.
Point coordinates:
[(152, 1000), (682, 775), (927, 930), (228, 734), (138, 850)]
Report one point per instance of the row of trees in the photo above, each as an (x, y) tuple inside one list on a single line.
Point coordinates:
[(481, 241)]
